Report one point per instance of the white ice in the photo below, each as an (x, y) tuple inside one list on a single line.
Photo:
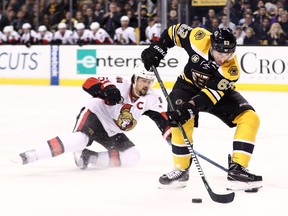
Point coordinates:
[(56, 187)]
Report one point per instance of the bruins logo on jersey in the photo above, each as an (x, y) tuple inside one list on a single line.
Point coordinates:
[(200, 34), (233, 71), (126, 120)]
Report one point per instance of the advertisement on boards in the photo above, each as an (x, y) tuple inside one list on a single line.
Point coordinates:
[(113, 60), (22, 62)]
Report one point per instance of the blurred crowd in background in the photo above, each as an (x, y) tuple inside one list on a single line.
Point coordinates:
[(131, 22)]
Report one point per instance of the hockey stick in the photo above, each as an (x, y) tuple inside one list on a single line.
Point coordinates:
[(211, 161), (220, 198)]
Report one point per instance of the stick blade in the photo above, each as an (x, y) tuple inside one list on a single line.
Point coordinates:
[(222, 198)]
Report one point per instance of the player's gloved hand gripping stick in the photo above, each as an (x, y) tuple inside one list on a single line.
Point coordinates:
[(221, 198)]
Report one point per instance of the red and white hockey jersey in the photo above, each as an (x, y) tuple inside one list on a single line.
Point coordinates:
[(66, 38), (30, 36), (100, 37), (153, 32), (11, 37), (81, 39), (125, 36), (45, 38), (124, 117)]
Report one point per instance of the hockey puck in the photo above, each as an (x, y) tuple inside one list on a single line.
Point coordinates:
[(196, 200)]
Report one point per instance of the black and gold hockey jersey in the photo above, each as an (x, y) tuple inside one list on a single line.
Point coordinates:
[(212, 80)]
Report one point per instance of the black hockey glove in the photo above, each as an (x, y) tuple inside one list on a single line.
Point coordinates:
[(181, 115), (153, 54), (110, 93)]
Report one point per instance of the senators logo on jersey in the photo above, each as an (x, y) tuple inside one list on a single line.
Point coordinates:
[(126, 120)]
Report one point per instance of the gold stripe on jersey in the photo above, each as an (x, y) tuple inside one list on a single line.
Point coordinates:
[(172, 32), (245, 135), (210, 95), (181, 156)]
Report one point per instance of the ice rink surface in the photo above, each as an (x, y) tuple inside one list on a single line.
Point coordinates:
[(56, 187)]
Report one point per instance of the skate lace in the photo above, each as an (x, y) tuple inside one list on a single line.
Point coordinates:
[(245, 170), (174, 174)]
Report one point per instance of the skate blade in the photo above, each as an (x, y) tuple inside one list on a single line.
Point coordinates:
[(174, 185), (244, 186)]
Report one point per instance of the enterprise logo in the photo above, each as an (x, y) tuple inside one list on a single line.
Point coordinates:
[(86, 61)]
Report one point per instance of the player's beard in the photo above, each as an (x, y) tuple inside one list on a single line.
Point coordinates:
[(143, 91)]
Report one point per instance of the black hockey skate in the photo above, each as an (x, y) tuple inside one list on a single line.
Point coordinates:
[(82, 158), (174, 179), (241, 179)]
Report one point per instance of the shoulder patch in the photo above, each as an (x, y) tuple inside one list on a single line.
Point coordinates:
[(200, 34), (233, 71), (195, 58)]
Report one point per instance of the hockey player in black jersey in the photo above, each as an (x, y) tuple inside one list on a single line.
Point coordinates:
[(206, 85)]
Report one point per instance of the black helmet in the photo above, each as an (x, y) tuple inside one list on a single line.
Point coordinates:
[(223, 40)]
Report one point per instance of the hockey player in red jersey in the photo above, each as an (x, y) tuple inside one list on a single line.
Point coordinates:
[(115, 107), (206, 85)]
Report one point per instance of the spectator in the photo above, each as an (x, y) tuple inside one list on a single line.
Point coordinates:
[(133, 22), (259, 5), (89, 17), (209, 18), (196, 22), (63, 35), (284, 22), (263, 31), (244, 5), (173, 13), (239, 34), (7, 18), (143, 23), (248, 22), (65, 4), (276, 35), (125, 35), (81, 35), (250, 38), (133, 5), (44, 36), (54, 11), (99, 35), (225, 23), (233, 17), (19, 21), (69, 20), (79, 17), (99, 13), (10, 36), (214, 24), (29, 36), (258, 18), (272, 12), (111, 20)]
